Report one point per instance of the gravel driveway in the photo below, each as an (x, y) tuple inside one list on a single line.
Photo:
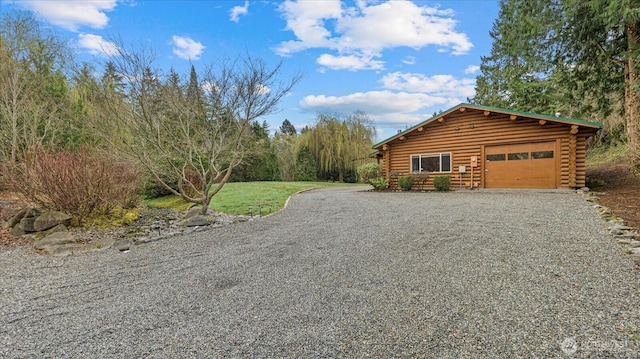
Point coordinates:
[(342, 274)]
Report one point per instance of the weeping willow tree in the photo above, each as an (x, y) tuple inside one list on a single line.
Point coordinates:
[(338, 143)]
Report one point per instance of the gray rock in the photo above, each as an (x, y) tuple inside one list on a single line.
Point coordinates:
[(123, 245), (616, 232), (622, 227), (13, 221), (26, 224), (634, 251), (51, 219), (102, 243), (197, 220), (16, 231), (621, 240), (68, 249), (192, 212), (58, 228), (55, 239)]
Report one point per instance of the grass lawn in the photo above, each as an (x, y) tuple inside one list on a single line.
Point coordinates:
[(237, 197)]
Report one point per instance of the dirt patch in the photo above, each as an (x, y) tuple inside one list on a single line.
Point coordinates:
[(620, 190)]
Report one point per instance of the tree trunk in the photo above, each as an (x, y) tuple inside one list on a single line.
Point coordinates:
[(632, 96)]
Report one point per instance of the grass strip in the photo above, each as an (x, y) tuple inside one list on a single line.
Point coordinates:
[(248, 197)]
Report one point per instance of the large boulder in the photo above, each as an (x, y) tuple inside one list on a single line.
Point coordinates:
[(54, 239), (58, 228), (51, 219), (197, 220)]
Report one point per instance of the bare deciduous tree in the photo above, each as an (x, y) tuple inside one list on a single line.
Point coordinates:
[(191, 134), (32, 86)]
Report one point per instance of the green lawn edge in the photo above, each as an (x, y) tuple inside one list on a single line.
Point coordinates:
[(249, 198)]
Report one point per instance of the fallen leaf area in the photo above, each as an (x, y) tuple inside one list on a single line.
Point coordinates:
[(620, 192)]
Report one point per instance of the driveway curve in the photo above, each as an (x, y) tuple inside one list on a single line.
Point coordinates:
[(342, 273)]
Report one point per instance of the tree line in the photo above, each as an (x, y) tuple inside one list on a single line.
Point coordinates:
[(575, 58), (184, 134)]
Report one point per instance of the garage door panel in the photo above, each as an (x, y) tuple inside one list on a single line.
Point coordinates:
[(531, 165)]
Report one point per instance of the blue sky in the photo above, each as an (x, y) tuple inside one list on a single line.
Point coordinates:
[(399, 61)]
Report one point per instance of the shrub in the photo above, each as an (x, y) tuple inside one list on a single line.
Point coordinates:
[(420, 180), (369, 171), (82, 184), (594, 183), (405, 182), (442, 183), (350, 177), (379, 183)]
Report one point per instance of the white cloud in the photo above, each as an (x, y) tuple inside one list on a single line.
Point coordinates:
[(369, 28), (307, 21), (409, 60), (96, 45), (372, 102), (437, 85), (236, 11), (472, 69), (187, 48), (72, 14), (350, 62), (407, 99)]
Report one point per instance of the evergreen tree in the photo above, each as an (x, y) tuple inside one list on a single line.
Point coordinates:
[(597, 56), (305, 165), (287, 128), (576, 57), (517, 74), (261, 164)]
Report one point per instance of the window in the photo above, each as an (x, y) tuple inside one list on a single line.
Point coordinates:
[(498, 157), (437, 162), (541, 154), (518, 156)]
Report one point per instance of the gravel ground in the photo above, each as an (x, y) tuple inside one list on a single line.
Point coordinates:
[(342, 274)]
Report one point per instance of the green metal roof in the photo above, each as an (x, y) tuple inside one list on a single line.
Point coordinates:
[(568, 120)]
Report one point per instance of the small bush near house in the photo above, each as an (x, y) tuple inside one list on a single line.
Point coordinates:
[(369, 171), (442, 183), (405, 182), (420, 180), (379, 183)]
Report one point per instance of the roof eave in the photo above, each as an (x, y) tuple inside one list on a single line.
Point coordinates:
[(565, 120)]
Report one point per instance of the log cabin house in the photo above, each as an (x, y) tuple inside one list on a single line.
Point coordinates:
[(489, 147)]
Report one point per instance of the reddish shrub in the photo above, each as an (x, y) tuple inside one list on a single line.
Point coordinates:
[(81, 184)]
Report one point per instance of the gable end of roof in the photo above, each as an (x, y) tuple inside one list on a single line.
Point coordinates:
[(566, 120)]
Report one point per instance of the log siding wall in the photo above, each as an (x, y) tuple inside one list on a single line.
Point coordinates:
[(467, 133)]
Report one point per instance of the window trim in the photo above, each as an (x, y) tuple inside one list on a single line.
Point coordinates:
[(439, 155)]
